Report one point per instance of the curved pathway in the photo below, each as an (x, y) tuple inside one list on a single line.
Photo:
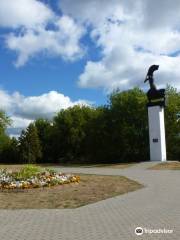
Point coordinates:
[(156, 206)]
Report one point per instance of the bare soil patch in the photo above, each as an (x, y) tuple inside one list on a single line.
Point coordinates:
[(13, 167), (92, 188), (166, 166)]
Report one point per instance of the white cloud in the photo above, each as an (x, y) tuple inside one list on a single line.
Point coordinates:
[(62, 42), (161, 14), (24, 110), (26, 13), (95, 12), (6, 101), (35, 29), (131, 35), (45, 105), (19, 122)]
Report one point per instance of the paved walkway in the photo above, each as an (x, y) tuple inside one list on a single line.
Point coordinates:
[(157, 206)]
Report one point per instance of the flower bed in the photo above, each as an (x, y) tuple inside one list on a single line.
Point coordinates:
[(33, 177)]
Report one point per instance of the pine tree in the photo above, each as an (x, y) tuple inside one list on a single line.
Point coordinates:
[(30, 148)]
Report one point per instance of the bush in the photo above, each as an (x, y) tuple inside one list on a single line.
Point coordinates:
[(28, 172)]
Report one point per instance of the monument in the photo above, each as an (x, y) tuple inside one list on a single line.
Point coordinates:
[(156, 104)]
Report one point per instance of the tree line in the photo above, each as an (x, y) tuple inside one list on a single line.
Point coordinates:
[(115, 132)]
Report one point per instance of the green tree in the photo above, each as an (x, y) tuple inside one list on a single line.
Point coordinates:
[(4, 121), (69, 133), (98, 136), (129, 126), (172, 123), (116, 132), (4, 139), (44, 130), (30, 148), (10, 151)]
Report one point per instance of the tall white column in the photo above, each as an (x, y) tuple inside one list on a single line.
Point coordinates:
[(157, 133)]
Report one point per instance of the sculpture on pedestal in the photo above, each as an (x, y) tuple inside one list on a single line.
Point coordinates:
[(155, 97), (155, 105)]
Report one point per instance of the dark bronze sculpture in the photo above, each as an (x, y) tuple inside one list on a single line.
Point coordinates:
[(155, 97), (149, 76)]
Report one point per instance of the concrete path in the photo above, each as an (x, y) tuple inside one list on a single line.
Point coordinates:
[(157, 206)]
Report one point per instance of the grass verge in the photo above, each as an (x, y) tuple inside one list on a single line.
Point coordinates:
[(101, 165), (17, 167)]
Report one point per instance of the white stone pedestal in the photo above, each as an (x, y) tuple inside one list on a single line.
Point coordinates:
[(157, 133)]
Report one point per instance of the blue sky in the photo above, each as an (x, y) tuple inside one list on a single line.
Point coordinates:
[(58, 53), (44, 74)]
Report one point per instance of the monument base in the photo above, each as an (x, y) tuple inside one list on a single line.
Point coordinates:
[(157, 133)]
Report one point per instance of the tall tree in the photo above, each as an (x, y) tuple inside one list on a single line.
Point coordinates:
[(4, 121), (70, 132), (4, 138), (30, 148), (98, 134), (172, 123), (10, 151), (44, 130), (129, 125)]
